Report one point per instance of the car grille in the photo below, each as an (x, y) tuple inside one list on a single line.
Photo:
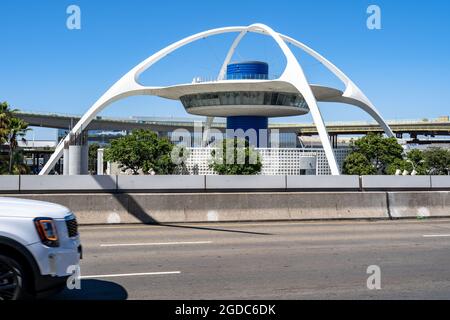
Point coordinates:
[(72, 227)]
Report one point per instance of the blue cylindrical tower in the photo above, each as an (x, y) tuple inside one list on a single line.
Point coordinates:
[(252, 70), (255, 70)]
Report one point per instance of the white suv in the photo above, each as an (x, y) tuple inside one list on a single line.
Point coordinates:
[(39, 248)]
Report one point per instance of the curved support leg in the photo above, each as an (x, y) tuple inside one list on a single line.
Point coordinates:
[(383, 124), (352, 91), (294, 75), (128, 86), (230, 54), (209, 121), (303, 88), (370, 109), (322, 130), (109, 97)]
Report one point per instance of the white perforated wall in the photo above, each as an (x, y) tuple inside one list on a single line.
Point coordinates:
[(283, 161)]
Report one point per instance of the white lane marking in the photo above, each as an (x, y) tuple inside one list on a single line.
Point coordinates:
[(245, 224), (130, 274), (153, 244), (436, 235)]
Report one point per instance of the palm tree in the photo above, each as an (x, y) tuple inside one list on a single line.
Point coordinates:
[(17, 132), (12, 130), (5, 116)]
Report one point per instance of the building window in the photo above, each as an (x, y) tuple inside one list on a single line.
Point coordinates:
[(244, 98)]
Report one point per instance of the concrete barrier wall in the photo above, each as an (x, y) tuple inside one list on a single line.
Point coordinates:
[(122, 183), (90, 208), (9, 183), (419, 204), (395, 182), (215, 207), (160, 183), (126, 199), (440, 182), (245, 182), (68, 183), (323, 182)]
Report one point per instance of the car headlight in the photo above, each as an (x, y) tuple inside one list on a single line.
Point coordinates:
[(46, 229)]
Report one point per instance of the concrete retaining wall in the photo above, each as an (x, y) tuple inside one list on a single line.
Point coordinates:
[(245, 206), (419, 204)]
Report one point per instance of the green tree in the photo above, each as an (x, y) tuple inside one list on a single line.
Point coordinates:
[(4, 125), (416, 157), (93, 149), (399, 164), (437, 161), (357, 164), (17, 132), (414, 160), (3, 164), (5, 118), (19, 166), (142, 150), (12, 130), (236, 157), (375, 154)]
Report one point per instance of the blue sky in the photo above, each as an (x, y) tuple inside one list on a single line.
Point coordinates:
[(403, 68)]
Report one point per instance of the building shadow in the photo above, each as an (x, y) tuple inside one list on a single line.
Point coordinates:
[(92, 289)]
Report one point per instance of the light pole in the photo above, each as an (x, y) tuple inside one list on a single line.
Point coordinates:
[(405, 172), (414, 172)]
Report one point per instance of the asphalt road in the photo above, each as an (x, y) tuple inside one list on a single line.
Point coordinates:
[(309, 260)]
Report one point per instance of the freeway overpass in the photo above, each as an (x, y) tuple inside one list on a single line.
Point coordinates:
[(414, 128)]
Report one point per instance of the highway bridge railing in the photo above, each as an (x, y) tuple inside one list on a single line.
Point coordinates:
[(214, 183)]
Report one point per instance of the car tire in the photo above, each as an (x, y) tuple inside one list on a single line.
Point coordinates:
[(12, 280)]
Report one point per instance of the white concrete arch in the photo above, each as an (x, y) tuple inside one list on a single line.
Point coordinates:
[(293, 74), (230, 54), (128, 86), (352, 91)]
